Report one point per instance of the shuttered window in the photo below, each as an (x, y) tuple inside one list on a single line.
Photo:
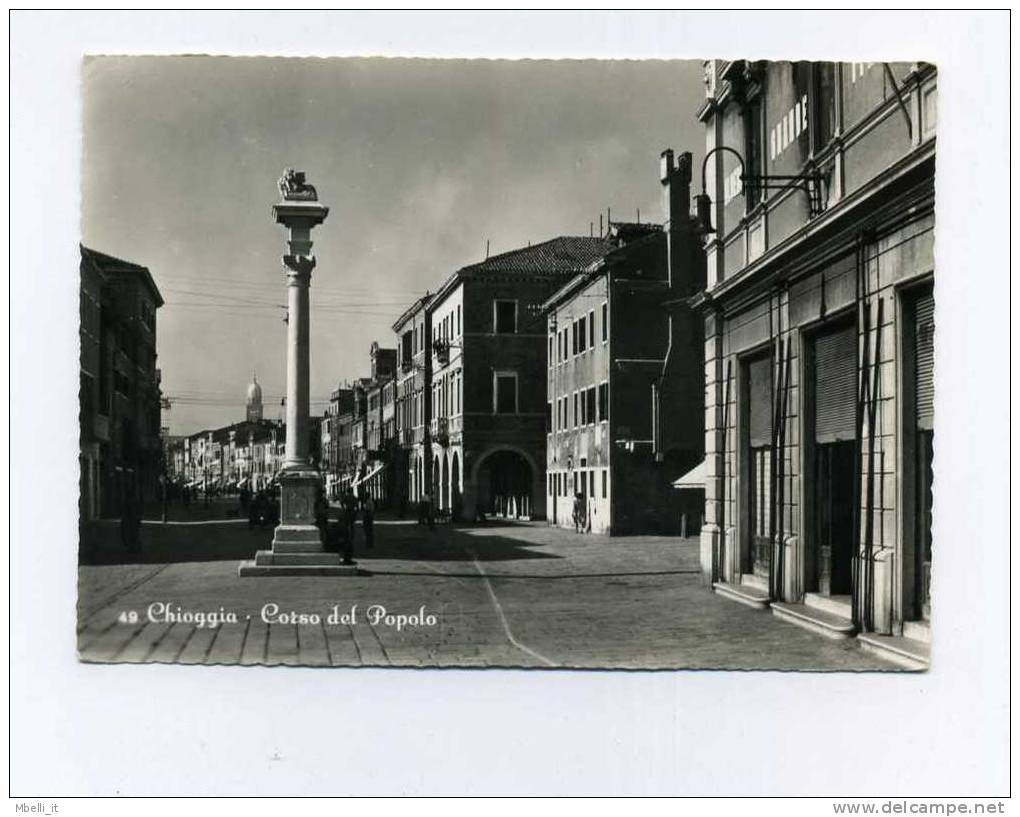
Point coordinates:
[(836, 385), (924, 361), (759, 374)]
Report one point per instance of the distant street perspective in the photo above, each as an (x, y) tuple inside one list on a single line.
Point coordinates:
[(502, 594)]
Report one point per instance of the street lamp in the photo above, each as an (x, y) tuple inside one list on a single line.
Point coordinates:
[(809, 182)]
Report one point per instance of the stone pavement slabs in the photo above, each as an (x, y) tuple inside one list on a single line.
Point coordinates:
[(169, 649), (343, 650), (226, 647), (256, 642), (108, 645), (312, 651), (283, 645), (139, 648), (503, 596), (198, 645), (370, 649)]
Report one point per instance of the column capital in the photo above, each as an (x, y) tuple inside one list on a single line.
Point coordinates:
[(299, 266)]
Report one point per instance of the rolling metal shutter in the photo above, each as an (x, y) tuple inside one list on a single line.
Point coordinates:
[(836, 385), (759, 379), (924, 361)]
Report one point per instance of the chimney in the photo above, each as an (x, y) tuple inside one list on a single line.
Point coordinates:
[(676, 206)]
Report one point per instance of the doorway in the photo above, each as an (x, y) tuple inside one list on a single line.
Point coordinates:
[(758, 517), (835, 453), (922, 332), (834, 490)]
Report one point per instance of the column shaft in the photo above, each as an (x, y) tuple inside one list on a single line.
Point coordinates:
[(297, 370)]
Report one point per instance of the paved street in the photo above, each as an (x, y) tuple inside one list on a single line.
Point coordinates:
[(501, 595)]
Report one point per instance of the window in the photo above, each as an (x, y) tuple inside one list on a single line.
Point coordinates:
[(752, 149), (552, 358), (591, 404), (458, 320), (405, 348), (591, 329), (575, 410), (582, 335), (605, 480), (505, 397), (548, 418), (505, 317), (603, 402), (573, 343), (605, 321)]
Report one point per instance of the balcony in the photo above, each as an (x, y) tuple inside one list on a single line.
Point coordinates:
[(441, 430)]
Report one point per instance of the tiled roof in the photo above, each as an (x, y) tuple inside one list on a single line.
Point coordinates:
[(629, 230), (111, 266), (108, 263), (558, 255)]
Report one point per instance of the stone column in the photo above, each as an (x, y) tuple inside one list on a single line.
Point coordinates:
[(297, 542)]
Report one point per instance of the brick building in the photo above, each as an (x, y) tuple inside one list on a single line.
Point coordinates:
[(485, 400), (819, 329), (119, 392), (626, 375)]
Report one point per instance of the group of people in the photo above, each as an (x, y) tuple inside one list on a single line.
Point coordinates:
[(262, 507), (339, 536)]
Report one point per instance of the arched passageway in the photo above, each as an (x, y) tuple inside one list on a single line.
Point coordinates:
[(456, 501), (444, 486), (505, 484)]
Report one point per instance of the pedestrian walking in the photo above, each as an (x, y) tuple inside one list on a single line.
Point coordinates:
[(350, 517), (430, 517), (368, 521), (321, 512), (579, 512)]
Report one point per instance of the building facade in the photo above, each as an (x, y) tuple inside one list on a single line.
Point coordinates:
[(235, 457), (485, 404), (412, 402), (626, 375), (120, 453), (819, 322), (379, 475), (336, 438)]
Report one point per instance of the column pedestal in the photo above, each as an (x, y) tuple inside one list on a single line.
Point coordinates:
[(297, 542)]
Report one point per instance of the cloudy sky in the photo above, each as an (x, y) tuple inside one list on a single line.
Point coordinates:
[(420, 161)]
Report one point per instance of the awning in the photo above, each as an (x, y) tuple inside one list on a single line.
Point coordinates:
[(369, 475), (693, 480)]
